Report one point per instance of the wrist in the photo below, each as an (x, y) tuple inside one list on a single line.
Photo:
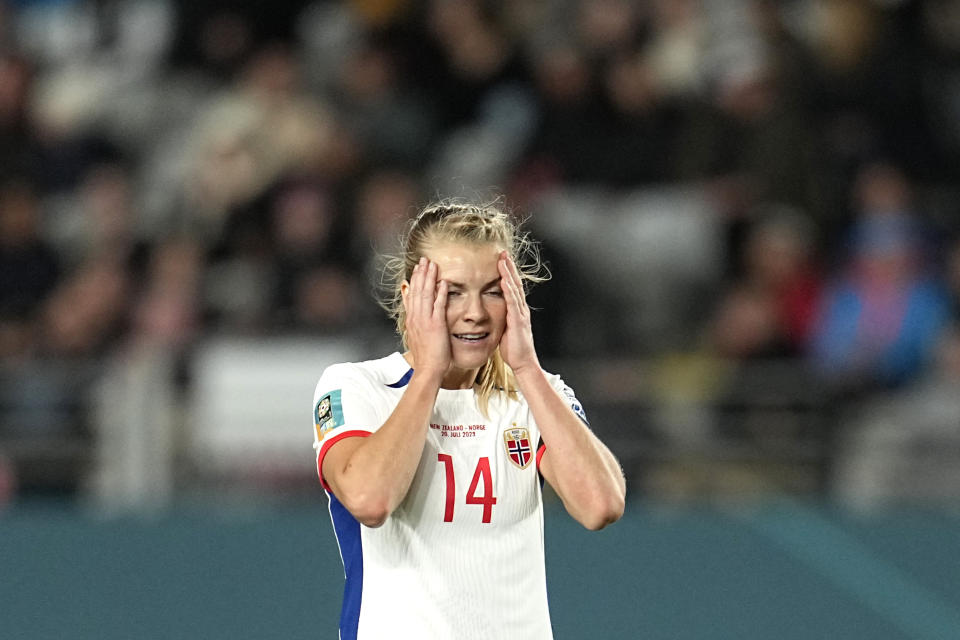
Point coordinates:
[(527, 370), (432, 376), (424, 371)]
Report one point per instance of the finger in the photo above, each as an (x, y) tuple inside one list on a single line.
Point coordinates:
[(415, 275), (517, 283), (440, 304), (510, 284), (505, 280), (406, 293), (430, 283), (504, 269), (512, 297), (410, 295), (508, 269), (416, 286), (515, 274), (428, 293)]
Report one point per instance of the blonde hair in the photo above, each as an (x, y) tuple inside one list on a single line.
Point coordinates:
[(456, 221)]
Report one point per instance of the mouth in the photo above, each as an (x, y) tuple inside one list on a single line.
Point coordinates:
[(471, 338)]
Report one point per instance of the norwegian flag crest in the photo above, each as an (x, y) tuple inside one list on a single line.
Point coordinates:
[(519, 449)]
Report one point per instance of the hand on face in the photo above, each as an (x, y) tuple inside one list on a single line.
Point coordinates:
[(425, 302), (516, 344)]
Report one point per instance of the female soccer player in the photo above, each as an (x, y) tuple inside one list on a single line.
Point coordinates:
[(432, 459)]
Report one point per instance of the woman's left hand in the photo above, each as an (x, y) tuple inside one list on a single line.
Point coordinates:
[(516, 344)]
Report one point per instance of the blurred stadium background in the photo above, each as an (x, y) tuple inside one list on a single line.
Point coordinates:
[(751, 209)]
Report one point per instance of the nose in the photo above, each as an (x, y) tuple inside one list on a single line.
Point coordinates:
[(476, 311)]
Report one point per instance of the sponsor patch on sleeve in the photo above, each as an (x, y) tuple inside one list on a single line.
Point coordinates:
[(328, 414)]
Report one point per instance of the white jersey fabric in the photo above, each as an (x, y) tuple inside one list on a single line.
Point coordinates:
[(462, 556)]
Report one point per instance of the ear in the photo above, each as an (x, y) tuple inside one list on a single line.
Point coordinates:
[(404, 289)]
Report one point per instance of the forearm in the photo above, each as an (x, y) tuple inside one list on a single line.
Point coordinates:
[(376, 475), (582, 470)]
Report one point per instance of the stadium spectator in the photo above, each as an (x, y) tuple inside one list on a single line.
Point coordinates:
[(905, 447), (769, 309), (19, 148), (88, 313), (259, 130), (391, 120), (100, 217), (29, 268), (884, 312), (168, 310)]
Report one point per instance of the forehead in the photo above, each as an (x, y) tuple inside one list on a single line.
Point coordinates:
[(466, 262)]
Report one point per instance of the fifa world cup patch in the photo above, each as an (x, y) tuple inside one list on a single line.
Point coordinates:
[(517, 443), (328, 414)]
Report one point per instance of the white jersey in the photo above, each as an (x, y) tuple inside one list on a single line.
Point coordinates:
[(462, 555)]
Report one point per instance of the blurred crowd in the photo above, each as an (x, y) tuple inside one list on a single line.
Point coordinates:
[(749, 179)]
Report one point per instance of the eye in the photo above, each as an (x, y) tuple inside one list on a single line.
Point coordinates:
[(454, 293), (498, 293)]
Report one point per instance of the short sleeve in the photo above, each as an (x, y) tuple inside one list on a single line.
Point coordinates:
[(344, 406), (569, 396)]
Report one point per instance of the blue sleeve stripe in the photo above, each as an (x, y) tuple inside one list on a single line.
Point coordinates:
[(402, 382), (347, 529)]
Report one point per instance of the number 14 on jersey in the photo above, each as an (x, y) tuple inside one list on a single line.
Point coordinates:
[(482, 472)]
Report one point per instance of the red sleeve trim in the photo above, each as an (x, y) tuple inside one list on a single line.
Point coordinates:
[(540, 452), (353, 433)]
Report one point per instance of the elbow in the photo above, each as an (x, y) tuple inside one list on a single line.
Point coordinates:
[(370, 511), (604, 512), (600, 520), (372, 519)]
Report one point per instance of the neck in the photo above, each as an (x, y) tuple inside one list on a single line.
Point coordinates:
[(459, 378)]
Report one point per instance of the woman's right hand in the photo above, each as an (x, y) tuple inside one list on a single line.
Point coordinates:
[(425, 303)]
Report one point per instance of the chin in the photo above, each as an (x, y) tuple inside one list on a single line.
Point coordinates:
[(471, 360)]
